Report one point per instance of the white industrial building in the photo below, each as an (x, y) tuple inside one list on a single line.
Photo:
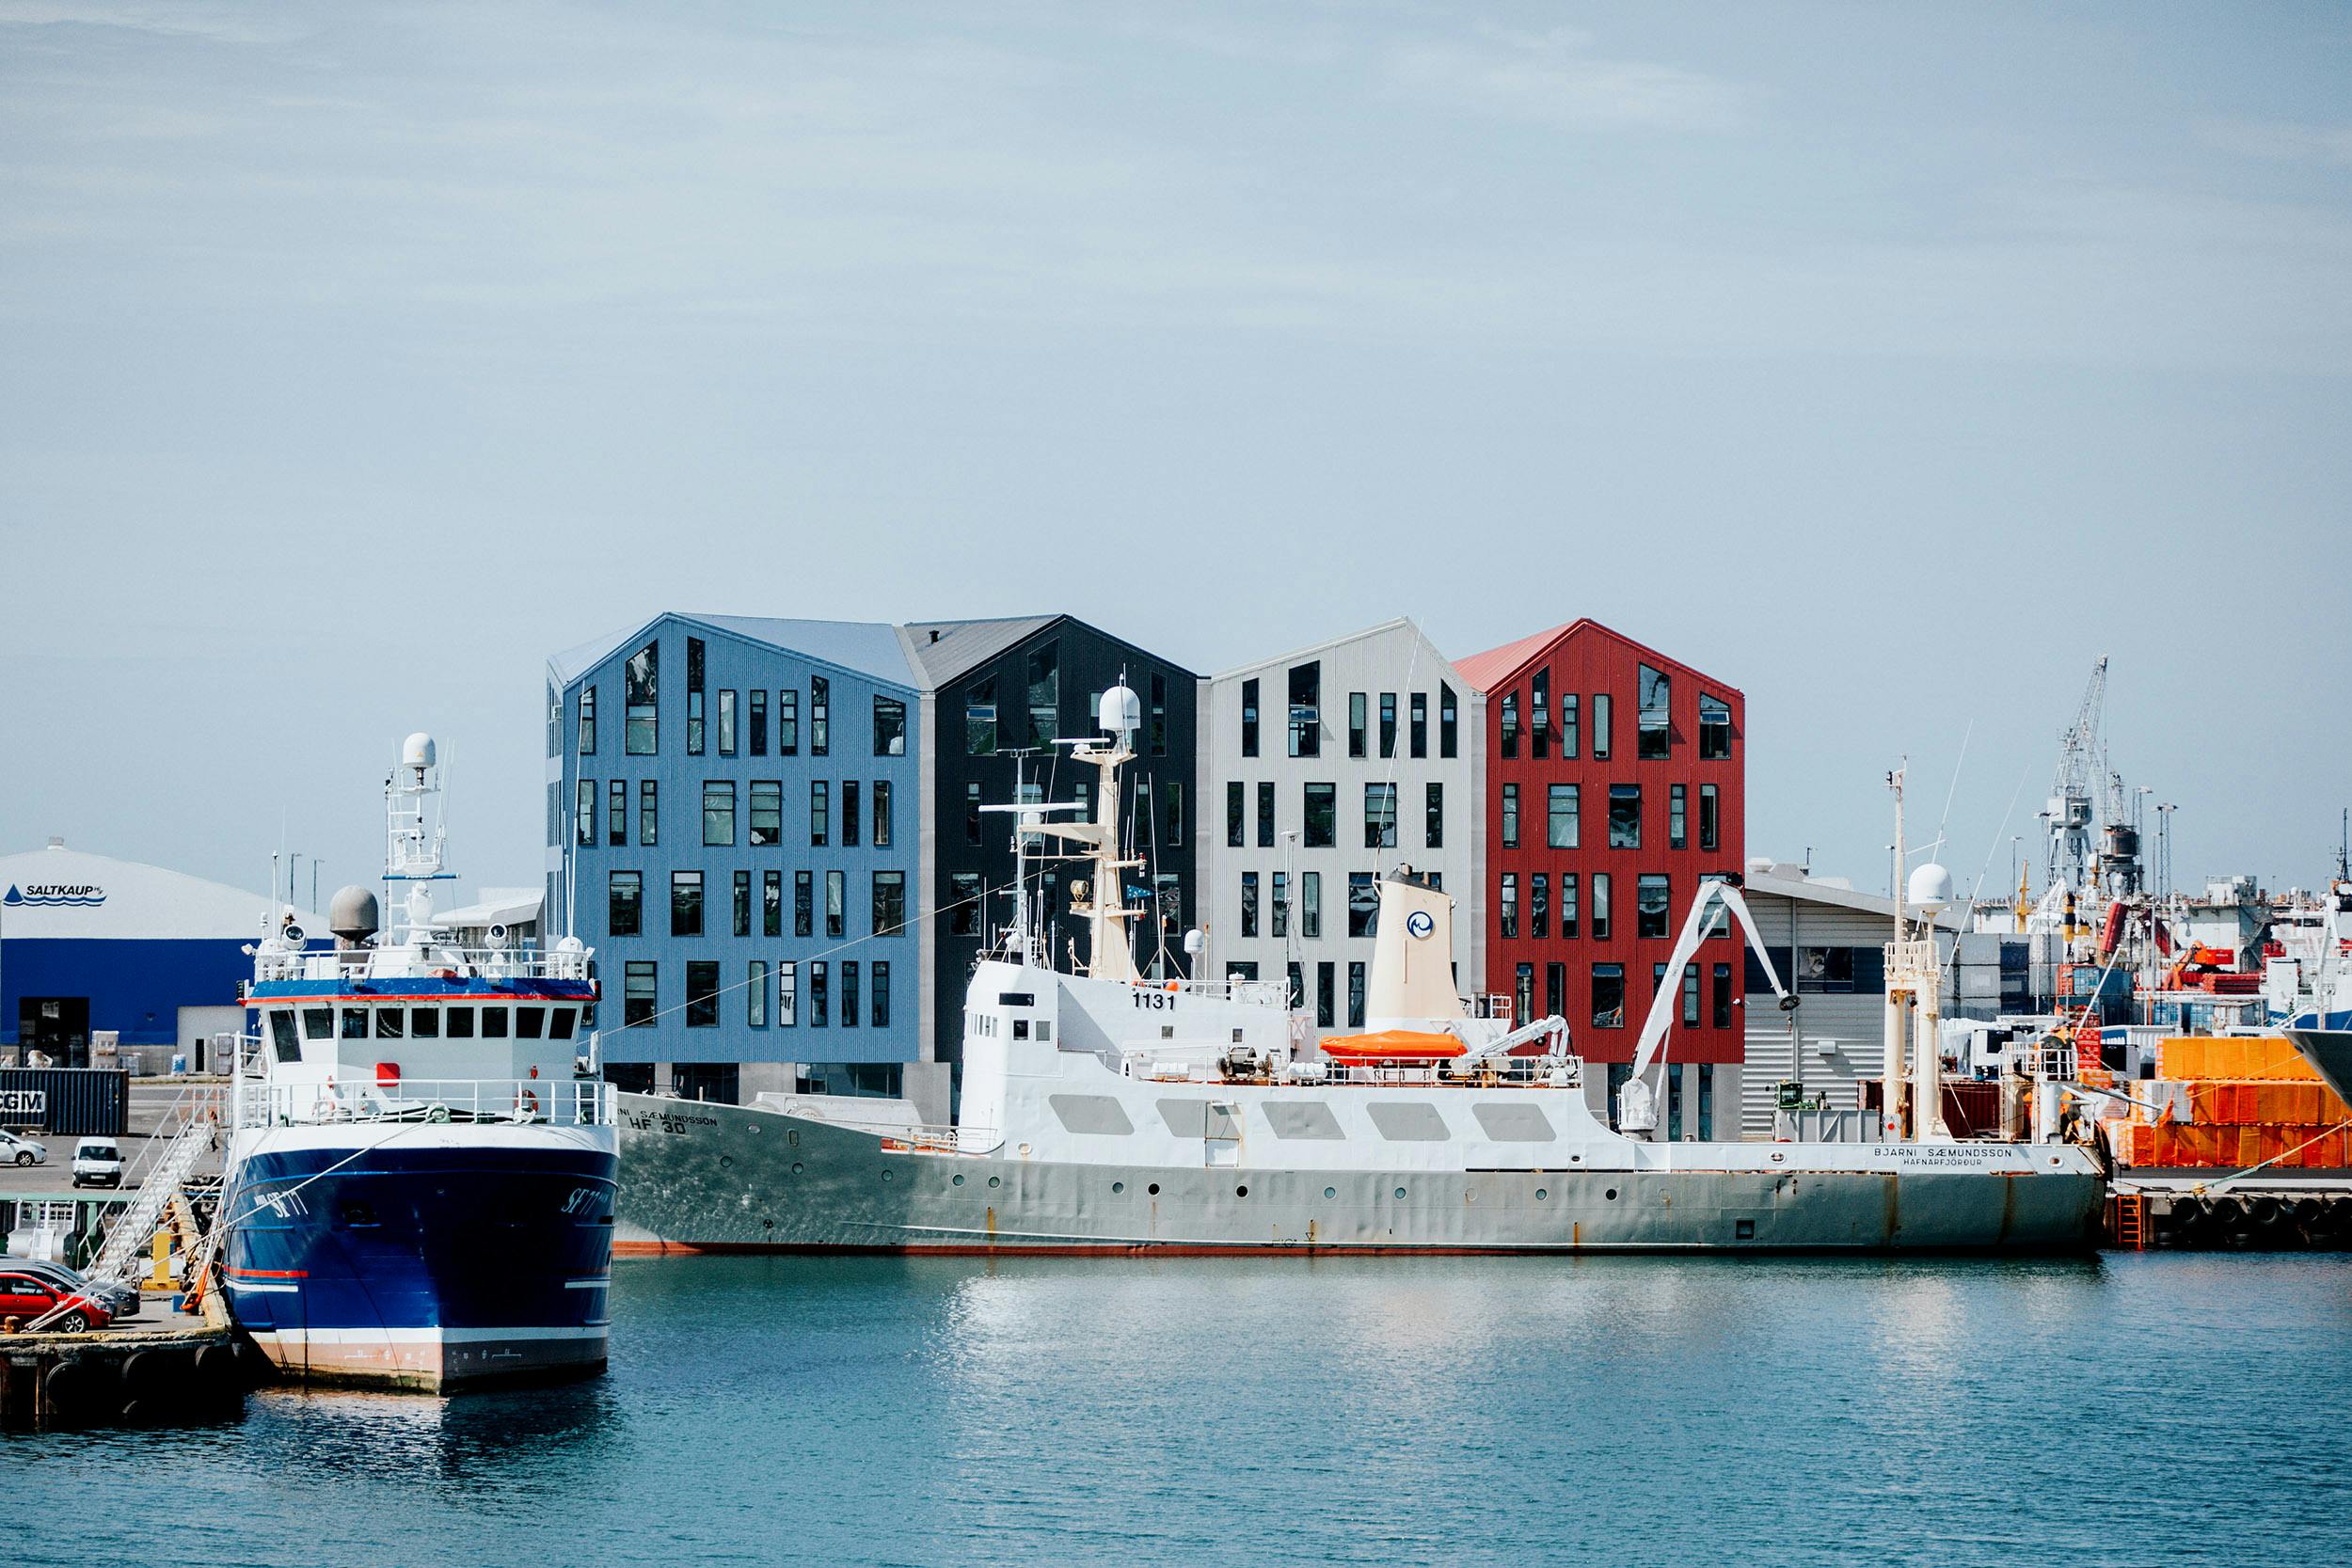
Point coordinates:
[(1320, 771)]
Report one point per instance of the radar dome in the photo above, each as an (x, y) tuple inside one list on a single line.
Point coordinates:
[(418, 750), (352, 913), (1931, 887), (1122, 711)]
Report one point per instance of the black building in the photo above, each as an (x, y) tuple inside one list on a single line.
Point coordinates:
[(1003, 692)]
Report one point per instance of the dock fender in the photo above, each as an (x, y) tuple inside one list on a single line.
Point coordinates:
[(219, 1372), (157, 1381), (82, 1391)]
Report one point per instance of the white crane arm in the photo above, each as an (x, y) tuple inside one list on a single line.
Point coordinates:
[(1637, 1103)]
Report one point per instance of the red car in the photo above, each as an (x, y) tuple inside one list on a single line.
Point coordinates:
[(25, 1298)]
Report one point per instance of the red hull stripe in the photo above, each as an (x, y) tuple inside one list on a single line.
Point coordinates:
[(272, 1273)]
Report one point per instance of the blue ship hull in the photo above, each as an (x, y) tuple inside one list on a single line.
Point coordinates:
[(426, 1266)]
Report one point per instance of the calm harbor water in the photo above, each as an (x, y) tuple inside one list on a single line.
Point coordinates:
[(2166, 1408)]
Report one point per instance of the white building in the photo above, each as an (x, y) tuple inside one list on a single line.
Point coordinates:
[(1319, 771)]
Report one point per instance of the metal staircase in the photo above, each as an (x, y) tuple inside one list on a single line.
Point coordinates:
[(184, 1138)]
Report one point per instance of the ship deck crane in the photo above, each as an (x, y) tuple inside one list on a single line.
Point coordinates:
[(1637, 1103)]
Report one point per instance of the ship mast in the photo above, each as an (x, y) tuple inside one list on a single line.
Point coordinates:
[(1103, 901)]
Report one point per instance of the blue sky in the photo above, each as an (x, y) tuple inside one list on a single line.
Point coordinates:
[(1892, 362)]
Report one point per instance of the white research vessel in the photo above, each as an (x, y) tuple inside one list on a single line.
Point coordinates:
[(1106, 1113)]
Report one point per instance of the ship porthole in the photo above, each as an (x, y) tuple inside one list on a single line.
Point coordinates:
[(795, 1168), (957, 1182), (1541, 1195), (992, 1181), (885, 1176), (1330, 1192), (1610, 1195), (1241, 1192), (725, 1160), (767, 1225), (1576, 1158), (1153, 1189), (1400, 1192), (1118, 1186)]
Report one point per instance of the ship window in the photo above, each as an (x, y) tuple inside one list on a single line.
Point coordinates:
[(1021, 1028), (318, 1023), (389, 1023), (424, 1023), (1302, 1118), (354, 1023), (281, 1034), (1407, 1121), (560, 1022), (530, 1023), (1514, 1124), (461, 1024), (1096, 1114), (1044, 1029), (494, 1023), (1186, 1119)]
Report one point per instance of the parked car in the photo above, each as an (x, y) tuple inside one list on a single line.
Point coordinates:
[(97, 1162), (121, 1301), (21, 1150), (27, 1296)]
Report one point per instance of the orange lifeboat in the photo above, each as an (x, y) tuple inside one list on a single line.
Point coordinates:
[(1391, 1045)]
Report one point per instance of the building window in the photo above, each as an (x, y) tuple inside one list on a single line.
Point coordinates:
[(788, 722), (1653, 736), (819, 716), (584, 813), (1265, 813), (1311, 905), (1281, 904), (1510, 816), (694, 696), (1306, 712), (818, 997), (640, 690), (771, 903), (1708, 819), (755, 994), (1555, 991), (971, 814), (803, 901), (819, 811), (1523, 994), (742, 904), (1433, 821), (726, 723), (1447, 726), (1677, 814), (1510, 723), (979, 719), (755, 717), (1363, 905), (849, 813), (686, 903), (877, 1000), (1355, 994), (1714, 727), (1509, 906), (1250, 719), (1236, 815), (882, 813), (1326, 1013), (1249, 904), (718, 813), (1690, 996), (1322, 816), (890, 903), (1379, 817), (1609, 996), (1356, 722), (1539, 906), (766, 824), (1650, 905), (963, 896), (1417, 724), (1388, 723), (1539, 717), (1044, 669), (624, 904), (836, 904), (1569, 913), (649, 813), (1600, 906), (616, 812), (1562, 811), (640, 994), (1720, 999), (890, 727), (587, 721), (1707, 1102), (1569, 738), (787, 994), (849, 994), (1625, 816), (1159, 716), (1172, 798)]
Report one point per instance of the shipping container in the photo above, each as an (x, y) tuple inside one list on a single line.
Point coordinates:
[(76, 1101)]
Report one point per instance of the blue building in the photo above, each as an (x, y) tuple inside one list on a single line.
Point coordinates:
[(734, 825)]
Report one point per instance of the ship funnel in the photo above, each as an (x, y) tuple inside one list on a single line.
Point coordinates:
[(1412, 954)]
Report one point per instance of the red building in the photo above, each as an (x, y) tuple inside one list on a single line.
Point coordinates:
[(1616, 781)]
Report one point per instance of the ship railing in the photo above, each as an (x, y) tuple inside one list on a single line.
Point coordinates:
[(512, 1102), (435, 960), (1505, 1073), (927, 1138)]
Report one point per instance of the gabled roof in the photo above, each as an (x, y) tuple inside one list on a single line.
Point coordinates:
[(861, 647), (939, 651), (1498, 667), (1314, 650)]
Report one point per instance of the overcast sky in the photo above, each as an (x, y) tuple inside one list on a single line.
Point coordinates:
[(1891, 362)]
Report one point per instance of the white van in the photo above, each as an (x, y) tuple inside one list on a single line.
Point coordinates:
[(97, 1162)]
